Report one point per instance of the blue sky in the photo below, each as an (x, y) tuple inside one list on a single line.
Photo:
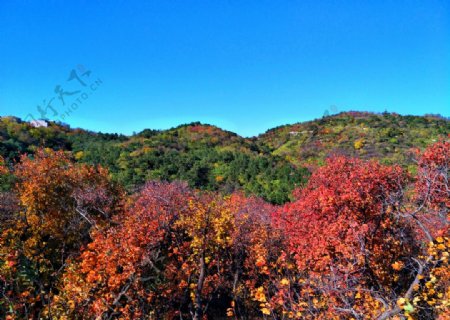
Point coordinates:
[(245, 66)]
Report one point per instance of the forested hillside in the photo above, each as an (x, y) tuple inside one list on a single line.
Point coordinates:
[(388, 137), (205, 156), (209, 158)]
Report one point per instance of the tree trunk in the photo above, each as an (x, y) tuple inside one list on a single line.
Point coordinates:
[(198, 293)]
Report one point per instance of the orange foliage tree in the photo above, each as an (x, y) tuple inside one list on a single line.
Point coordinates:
[(121, 273), (59, 203)]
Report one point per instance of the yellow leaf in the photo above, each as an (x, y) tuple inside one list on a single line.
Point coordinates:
[(401, 302), (265, 311)]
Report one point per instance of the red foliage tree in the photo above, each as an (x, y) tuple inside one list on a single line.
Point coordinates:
[(427, 296), (344, 237), (432, 190)]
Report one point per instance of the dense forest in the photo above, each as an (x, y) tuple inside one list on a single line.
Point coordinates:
[(387, 137), (205, 156), (270, 166), (344, 217)]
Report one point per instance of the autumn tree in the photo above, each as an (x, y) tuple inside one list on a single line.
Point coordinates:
[(226, 238), (427, 296), (122, 273), (367, 243), (344, 239), (60, 202), (432, 190), (173, 253)]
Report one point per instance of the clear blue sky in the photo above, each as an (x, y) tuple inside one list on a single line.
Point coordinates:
[(243, 65)]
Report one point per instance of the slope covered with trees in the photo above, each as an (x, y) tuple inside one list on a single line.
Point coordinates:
[(387, 137), (209, 158), (205, 156)]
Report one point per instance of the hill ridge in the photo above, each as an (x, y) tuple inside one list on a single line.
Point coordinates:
[(211, 158)]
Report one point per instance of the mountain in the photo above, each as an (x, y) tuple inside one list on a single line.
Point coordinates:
[(205, 156), (387, 137), (209, 158)]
